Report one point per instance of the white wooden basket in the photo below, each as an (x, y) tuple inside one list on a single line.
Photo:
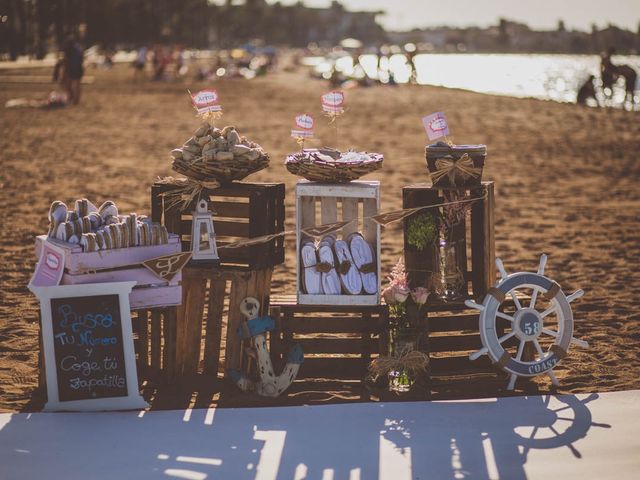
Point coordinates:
[(324, 203)]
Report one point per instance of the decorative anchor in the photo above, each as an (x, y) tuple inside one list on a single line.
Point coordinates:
[(255, 328), (527, 323)]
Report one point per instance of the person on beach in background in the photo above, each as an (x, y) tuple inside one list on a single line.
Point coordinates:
[(608, 72), (587, 91), (410, 53), (72, 70), (140, 63)]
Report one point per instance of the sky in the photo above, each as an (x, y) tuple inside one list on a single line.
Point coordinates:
[(539, 14)]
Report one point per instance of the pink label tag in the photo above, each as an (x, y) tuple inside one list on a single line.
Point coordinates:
[(333, 101), (50, 266), (435, 125), (304, 121), (206, 101), (304, 126)]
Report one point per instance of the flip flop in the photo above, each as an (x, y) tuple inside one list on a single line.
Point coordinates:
[(330, 279), (349, 274), (57, 215), (311, 277), (363, 257)]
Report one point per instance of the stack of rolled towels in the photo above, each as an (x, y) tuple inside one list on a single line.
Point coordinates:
[(335, 267)]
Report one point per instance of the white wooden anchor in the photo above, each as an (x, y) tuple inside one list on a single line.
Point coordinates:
[(255, 328)]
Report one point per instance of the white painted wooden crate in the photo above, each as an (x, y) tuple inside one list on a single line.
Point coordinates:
[(119, 265), (323, 203)]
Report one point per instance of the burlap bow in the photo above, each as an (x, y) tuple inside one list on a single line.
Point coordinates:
[(451, 166)]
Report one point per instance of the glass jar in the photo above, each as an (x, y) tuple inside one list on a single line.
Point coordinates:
[(448, 280), (404, 339)]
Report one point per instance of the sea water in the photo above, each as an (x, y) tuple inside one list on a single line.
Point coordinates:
[(544, 76)]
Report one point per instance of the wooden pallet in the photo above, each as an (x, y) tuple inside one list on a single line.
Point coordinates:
[(206, 340), (334, 203), (476, 255), (338, 341), (241, 211)]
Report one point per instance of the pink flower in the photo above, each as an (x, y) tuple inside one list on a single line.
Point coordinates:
[(387, 294), (420, 295), (395, 294)]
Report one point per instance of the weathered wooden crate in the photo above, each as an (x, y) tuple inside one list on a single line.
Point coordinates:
[(321, 204), (122, 264), (206, 339), (241, 211), (475, 236), (338, 341)]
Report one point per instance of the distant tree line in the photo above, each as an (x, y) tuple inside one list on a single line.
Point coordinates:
[(35, 27)]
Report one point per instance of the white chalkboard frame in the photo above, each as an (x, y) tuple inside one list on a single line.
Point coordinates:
[(133, 400)]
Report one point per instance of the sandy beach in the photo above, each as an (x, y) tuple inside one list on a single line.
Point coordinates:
[(567, 184)]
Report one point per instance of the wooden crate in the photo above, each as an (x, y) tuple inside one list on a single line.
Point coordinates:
[(322, 203), (206, 339), (338, 341), (475, 235), (241, 211), (452, 330), (122, 264)]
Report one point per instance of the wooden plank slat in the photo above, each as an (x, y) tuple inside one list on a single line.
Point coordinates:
[(229, 209), (314, 324), (349, 212), (233, 344), (348, 368), (328, 210), (189, 329), (356, 346), (156, 339), (169, 328), (459, 365), (448, 343), (142, 324), (213, 334)]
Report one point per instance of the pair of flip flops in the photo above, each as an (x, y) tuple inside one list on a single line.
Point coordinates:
[(338, 266)]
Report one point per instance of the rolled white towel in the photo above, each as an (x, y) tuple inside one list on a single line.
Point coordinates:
[(362, 254), (349, 274), (330, 279), (311, 277)]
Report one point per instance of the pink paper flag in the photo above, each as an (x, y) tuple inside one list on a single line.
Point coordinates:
[(435, 125), (50, 266), (206, 101)]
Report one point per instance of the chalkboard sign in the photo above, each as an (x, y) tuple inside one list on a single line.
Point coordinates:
[(88, 347), (87, 339)]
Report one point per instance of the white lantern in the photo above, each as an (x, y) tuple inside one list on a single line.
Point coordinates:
[(203, 238)]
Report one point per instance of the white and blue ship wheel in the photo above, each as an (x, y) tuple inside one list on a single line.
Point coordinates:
[(527, 323)]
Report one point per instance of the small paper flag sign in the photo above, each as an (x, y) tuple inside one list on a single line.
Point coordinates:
[(332, 102), (304, 126), (436, 125), (167, 266), (50, 266), (206, 101)]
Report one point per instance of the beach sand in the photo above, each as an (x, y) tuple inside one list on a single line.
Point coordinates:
[(566, 184)]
